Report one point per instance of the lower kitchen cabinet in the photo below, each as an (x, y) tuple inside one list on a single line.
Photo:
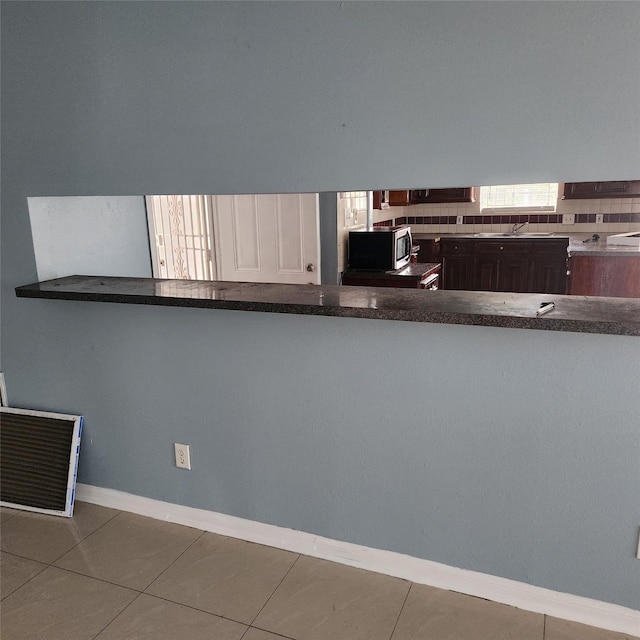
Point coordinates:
[(429, 249), (414, 276), (458, 256), (549, 275), (616, 276), (501, 266), (522, 265)]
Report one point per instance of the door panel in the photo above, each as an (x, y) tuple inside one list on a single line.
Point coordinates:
[(243, 212), (289, 234), (267, 238), (513, 274)]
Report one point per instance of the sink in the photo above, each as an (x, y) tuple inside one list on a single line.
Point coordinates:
[(514, 235)]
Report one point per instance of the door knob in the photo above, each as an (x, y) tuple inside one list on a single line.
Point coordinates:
[(311, 267)]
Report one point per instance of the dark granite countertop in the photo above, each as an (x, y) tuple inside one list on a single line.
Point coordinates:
[(599, 248), (617, 316), (412, 269), (576, 242)]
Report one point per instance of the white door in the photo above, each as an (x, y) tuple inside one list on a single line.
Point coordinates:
[(180, 234), (267, 238)]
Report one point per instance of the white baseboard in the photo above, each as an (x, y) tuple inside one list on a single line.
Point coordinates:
[(516, 594)]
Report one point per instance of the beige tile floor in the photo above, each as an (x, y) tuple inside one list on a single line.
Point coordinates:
[(111, 575)]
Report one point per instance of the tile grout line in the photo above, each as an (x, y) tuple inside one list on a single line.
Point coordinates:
[(174, 560), (116, 616), (404, 602), (188, 606), (122, 586), (46, 566), (272, 594), (544, 626), (51, 564), (272, 633), (138, 593)]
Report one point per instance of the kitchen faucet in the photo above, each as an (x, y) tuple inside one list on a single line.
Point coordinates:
[(516, 227)]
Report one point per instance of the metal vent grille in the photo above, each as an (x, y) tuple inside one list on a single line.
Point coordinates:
[(38, 459)]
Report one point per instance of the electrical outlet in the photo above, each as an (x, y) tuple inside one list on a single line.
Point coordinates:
[(568, 218), (183, 457), (599, 218), (459, 219)]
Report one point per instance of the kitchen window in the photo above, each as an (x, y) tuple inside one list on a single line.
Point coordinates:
[(542, 196)]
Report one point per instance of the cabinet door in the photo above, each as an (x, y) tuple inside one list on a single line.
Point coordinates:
[(398, 198), (457, 263), (549, 275), (549, 266), (429, 250), (486, 273), (613, 189), (617, 276), (457, 272), (380, 199), (513, 274), (502, 265), (504, 273)]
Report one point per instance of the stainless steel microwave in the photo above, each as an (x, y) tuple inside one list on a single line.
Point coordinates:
[(380, 248)]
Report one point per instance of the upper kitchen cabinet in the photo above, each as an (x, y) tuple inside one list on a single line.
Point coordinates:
[(453, 194), (384, 199), (381, 199), (616, 189), (401, 198)]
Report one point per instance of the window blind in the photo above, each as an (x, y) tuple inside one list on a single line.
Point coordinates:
[(539, 196)]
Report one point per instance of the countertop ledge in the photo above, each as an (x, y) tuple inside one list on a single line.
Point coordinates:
[(577, 246), (580, 314)]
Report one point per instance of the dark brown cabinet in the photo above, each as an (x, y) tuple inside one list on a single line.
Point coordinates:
[(453, 194), (429, 249), (413, 276), (458, 256), (501, 266), (380, 199), (616, 276), (550, 270), (522, 265), (615, 189), (399, 198)]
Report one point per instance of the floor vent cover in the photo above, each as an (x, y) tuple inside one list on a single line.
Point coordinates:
[(38, 460)]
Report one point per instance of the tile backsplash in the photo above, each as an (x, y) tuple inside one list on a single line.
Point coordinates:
[(618, 215)]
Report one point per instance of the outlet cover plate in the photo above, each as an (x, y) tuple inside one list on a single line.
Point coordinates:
[(568, 218), (183, 456)]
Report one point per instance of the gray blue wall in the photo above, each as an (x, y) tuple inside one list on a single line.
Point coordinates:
[(510, 452)]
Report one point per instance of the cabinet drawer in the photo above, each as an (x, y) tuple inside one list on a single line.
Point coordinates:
[(455, 247), (497, 247), (550, 247)]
